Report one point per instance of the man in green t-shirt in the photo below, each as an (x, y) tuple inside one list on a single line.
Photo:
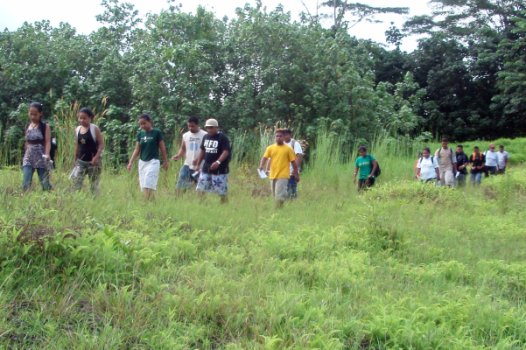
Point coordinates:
[(365, 167)]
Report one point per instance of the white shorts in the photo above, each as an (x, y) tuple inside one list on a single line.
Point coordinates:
[(149, 173)]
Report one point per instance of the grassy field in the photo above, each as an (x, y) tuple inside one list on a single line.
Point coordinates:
[(404, 266)]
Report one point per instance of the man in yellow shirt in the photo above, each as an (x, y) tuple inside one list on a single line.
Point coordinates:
[(282, 157)]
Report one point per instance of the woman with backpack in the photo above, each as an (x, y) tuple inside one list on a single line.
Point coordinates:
[(366, 167), (89, 145), (37, 148)]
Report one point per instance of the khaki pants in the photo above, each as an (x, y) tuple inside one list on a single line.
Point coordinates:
[(279, 189), (447, 178)]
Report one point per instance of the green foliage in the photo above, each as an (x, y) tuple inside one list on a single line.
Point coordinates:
[(404, 265)]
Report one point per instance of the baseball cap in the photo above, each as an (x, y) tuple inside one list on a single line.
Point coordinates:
[(211, 122)]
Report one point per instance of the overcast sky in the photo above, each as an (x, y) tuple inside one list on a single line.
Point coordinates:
[(81, 13)]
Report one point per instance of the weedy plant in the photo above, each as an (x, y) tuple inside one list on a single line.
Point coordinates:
[(404, 265)]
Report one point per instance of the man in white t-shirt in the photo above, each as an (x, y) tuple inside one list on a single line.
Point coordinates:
[(492, 161), (427, 168), (292, 188), (502, 162), (447, 164), (190, 148)]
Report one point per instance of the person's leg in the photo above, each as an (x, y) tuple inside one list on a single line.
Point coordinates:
[(220, 186), (361, 185), (281, 192), (204, 184), (27, 177), (461, 180), (370, 182), (292, 187), (77, 176), (94, 178), (184, 181), (478, 178), (449, 178), (43, 175), (151, 177)]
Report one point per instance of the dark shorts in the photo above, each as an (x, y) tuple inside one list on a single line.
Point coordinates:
[(365, 183), (185, 180), (490, 170)]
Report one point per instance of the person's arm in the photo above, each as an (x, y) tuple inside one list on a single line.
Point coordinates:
[(355, 173), (295, 170), (221, 159), (164, 154), (76, 152), (437, 171), (299, 160), (134, 156), (47, 148), (418, 170), (182, 151), (263, 164), (100, 147)]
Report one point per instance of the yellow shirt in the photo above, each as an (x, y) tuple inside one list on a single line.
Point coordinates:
[(281, 156)]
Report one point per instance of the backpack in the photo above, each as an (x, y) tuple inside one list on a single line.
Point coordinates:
[(378, 171), (92, 129)]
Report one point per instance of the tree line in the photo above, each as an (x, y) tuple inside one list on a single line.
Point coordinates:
[(465, 80)]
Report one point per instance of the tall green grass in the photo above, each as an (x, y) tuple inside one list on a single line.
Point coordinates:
[(403, 266)]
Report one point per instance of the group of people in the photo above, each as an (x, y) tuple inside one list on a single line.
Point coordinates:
[(449, 167), (207, 154)]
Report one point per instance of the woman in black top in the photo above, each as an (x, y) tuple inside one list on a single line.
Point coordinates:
[(88, 150)]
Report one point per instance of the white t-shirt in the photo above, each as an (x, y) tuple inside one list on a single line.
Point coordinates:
[(192, 143), (502, 158), (297, 150), (492, 159), (427, 168)]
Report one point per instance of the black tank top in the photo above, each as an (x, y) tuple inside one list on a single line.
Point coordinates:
[(87, 146)]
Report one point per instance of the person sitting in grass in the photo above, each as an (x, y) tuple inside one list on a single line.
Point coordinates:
[(427, 169), (215, 151), (477, 161), (462, 163), (149, 142), (89, 145), (366, 166), (189, 149), (283, 157)]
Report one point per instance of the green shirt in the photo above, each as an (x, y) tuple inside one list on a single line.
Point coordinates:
[(149, 143), (365, 165)]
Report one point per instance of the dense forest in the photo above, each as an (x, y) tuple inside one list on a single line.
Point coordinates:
[(466, 79)]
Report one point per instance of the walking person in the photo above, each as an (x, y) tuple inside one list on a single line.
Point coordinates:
[(492, 161), (149, 142), (89, 145), (215, 152), (283, 157), (37, 148), (427, 168), (462, 164), (477, 161), (292, 186), (365, 167), (502, 160), (447, 164), (189, 149)]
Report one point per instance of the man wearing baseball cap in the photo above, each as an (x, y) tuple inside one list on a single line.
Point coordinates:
[(215, 151)]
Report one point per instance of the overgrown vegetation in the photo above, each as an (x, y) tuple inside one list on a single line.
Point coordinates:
[(403, 266), (260, 67)]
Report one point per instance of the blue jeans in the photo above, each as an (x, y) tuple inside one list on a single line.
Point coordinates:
[(292, 187), (476, 178), (43, 175), (185, 180)]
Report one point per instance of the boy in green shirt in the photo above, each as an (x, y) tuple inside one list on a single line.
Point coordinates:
[(365, 167)]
